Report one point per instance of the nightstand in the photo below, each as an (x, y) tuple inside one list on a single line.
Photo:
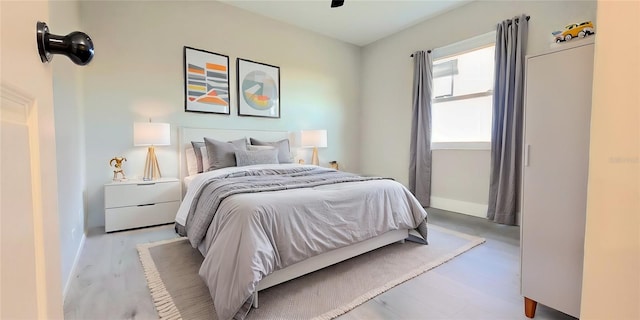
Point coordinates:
[(136, 203)]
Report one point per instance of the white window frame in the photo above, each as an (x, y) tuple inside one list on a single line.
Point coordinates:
[(454, 49)]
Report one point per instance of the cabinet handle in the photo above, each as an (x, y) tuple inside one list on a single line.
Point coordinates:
[(527, 151), (146, 205), (146, 184)]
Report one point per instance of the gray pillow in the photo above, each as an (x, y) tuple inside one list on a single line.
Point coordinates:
[(282, 146), (255, 148), (222, 154), (196, 148), (247, 158), (240, 143)]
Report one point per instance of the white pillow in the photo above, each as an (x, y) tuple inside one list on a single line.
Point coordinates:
[(192, 163)]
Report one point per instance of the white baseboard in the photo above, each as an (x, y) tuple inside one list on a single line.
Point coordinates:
[(469, 208), (73, 268)]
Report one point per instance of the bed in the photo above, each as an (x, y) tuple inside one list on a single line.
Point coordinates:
[(263, 224)]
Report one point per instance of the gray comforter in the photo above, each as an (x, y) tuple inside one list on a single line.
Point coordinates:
[(247, 227)]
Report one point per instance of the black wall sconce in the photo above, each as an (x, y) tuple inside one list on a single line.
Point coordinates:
[(76, 45)]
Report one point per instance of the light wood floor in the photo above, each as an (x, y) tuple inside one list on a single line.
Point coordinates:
[(480, 284)]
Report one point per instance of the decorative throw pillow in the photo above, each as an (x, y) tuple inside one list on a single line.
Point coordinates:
[(256, 148), (247, 158), (205, 156), (284, 152), (222, 154), (240, 143), (197, 147)]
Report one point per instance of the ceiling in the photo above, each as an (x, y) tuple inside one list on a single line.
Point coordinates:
[(358, 21)]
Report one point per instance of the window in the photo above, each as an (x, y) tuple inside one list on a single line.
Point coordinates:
[(462, 95)]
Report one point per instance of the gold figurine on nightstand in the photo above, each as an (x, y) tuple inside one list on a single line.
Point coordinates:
[(334, 165), (118, 169)]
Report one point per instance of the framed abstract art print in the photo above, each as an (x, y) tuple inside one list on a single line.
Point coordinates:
[(258, 89), (206, 81)]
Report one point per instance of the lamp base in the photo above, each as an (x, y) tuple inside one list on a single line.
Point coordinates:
[(314, 157), (151, 167)]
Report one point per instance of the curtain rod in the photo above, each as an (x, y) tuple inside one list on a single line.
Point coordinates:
[(528, 17), (517, 19), (428, 51)]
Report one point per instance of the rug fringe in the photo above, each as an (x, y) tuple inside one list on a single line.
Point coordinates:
[(162, 300), (408, 276)]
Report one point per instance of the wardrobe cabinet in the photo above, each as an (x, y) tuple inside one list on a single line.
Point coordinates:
[(554, 176)]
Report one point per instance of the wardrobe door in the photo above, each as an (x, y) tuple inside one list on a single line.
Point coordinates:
[(556, 162)]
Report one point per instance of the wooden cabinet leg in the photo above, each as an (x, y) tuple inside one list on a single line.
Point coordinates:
[(530, 307)]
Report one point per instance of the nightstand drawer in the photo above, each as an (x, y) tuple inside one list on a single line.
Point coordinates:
[(131, 194), (140, 216)]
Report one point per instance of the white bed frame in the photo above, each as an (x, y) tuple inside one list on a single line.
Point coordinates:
[(186, 135)]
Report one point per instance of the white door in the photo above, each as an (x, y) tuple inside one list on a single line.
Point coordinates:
[(29, 234)]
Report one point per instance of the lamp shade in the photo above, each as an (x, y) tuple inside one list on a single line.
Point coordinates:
[(151, 134), (313, 138)]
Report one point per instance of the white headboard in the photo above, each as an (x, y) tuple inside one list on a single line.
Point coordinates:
[(186, 135)]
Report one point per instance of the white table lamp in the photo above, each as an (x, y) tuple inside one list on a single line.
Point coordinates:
[(314, 139), (151, 135)]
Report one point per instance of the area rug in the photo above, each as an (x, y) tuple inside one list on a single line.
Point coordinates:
[(171, 268)]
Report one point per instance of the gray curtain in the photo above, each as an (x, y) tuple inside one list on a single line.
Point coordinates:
[(420, 157), (506, 131)]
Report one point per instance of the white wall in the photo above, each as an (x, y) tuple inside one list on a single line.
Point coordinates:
[(387, 84), (70, 153), (461, 181), (137, 73), (611, 282)]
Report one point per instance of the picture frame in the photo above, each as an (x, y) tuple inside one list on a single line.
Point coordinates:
[(258, 89), (206, 82)]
